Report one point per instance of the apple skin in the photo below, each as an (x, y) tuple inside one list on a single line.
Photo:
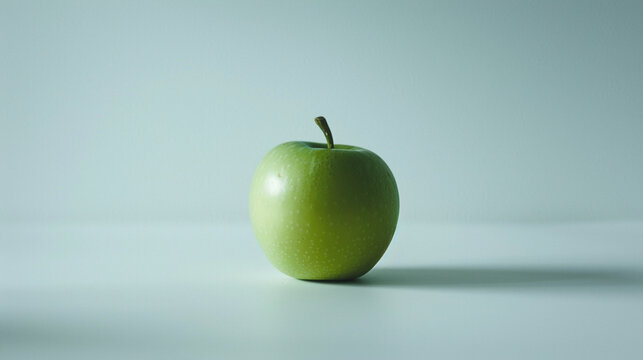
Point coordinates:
[(323, 214)]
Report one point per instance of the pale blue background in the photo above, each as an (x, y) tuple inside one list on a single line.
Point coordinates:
[(160, 111), (130, 130)]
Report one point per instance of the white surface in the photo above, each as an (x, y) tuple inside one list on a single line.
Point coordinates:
[(197, 291)]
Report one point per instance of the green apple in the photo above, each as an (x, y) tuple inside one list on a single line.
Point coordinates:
[(323, 211)]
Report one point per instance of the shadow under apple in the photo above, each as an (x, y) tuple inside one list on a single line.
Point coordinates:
[(431, 277)]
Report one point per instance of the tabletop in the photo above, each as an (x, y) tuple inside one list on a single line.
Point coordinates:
[(205, 291)]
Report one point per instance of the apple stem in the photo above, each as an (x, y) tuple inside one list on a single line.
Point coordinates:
[(323, 125)]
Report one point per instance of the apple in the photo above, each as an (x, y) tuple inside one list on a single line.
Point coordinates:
[(323, 211)]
